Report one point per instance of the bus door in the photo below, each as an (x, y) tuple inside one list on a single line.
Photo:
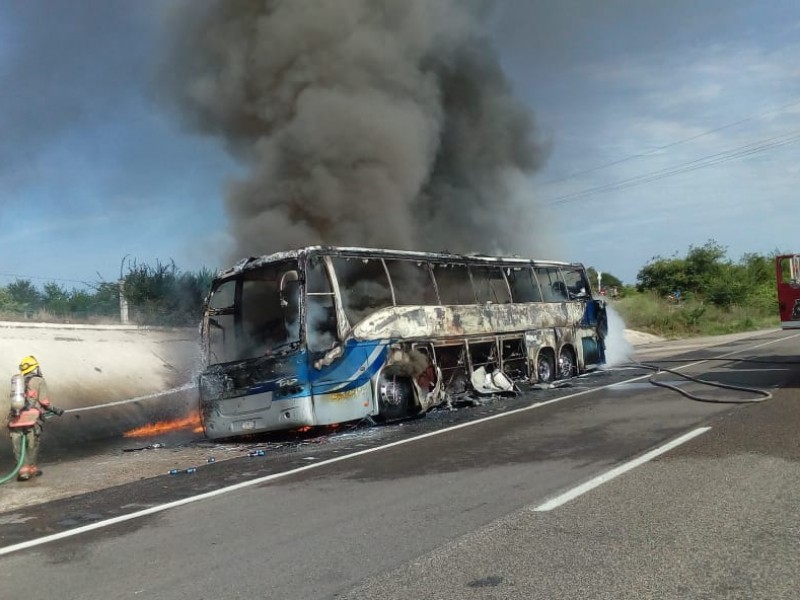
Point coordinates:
[(788, 273)]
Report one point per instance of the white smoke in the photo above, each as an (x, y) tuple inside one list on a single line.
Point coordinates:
[(618, 349)]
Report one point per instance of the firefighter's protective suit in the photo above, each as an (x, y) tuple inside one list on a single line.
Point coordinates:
[(26, 423)]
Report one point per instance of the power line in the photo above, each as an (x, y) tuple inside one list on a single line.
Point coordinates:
[(693, 165), (671, 144)]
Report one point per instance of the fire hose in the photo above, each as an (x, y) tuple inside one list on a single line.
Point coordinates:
[(19, 462), (761, 395)]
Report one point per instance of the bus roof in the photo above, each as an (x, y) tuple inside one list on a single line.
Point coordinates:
[(255, 262)]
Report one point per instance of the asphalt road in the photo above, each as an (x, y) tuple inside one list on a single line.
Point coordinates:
[(446, 506)]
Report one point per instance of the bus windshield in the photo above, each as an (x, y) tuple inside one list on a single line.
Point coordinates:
[(255, 314)]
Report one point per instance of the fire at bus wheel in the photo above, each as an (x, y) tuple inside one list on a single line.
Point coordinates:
[(545, 366), (567, 366), (395, 397)]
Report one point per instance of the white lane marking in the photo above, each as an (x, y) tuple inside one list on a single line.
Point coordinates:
[(760, 370), (253, 482), (617, 471)]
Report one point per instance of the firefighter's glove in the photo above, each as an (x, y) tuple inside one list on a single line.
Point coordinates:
[(57, 411)]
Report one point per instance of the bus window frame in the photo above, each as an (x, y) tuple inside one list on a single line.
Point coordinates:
[(419, 263), (446, 265), (342, 326), (341, 310), (551, 292), (488, 267), (587, 293), (531, 276)]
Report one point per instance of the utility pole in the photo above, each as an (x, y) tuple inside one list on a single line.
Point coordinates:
[(123, 300)]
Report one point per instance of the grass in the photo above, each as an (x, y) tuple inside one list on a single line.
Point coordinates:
[(651, 314)]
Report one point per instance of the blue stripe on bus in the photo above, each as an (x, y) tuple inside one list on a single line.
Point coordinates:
[(344, 368), (359, 372), (353, 358), (359, 363)]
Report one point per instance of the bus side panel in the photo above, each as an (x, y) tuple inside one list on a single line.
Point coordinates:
[(437, 322), (535, 340), (342, 391), (348, 405)]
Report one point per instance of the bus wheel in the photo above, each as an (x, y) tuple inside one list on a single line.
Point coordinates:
[(395, 397), (545, 367), (566, 363)]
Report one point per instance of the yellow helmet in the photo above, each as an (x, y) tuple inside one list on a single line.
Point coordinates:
[(28, 365)]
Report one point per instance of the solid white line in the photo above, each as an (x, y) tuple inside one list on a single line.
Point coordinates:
[(253, 482), (760, 370), (617, 471)]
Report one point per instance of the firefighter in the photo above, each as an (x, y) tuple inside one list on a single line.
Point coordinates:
[(30, 402)]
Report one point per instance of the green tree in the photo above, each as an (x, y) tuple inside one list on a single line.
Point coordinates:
[(6, 301), (163, 295), (104, 302), (709, 276), (24, 295), (759, 269), (55, 299), (694, 273), (663, 275), (704, 264), (81, 304)]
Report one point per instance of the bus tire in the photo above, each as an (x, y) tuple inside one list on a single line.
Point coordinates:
[(395, 397), (545, 367), (567, 366)]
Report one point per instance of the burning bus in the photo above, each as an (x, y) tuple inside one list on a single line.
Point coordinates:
[(325, 335)]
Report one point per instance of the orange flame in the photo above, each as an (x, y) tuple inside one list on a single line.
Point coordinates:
[(193, 421), (304, 428)]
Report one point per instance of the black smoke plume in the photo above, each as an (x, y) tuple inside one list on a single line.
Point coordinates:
[(383, 123)]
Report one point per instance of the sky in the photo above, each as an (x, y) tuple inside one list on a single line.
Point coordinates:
[(665, 124)]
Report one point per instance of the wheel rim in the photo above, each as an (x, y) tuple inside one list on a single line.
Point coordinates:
[(545, 370), (566, 363), (394, 397)]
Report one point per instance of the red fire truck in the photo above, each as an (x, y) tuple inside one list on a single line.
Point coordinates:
[(787, 269)]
